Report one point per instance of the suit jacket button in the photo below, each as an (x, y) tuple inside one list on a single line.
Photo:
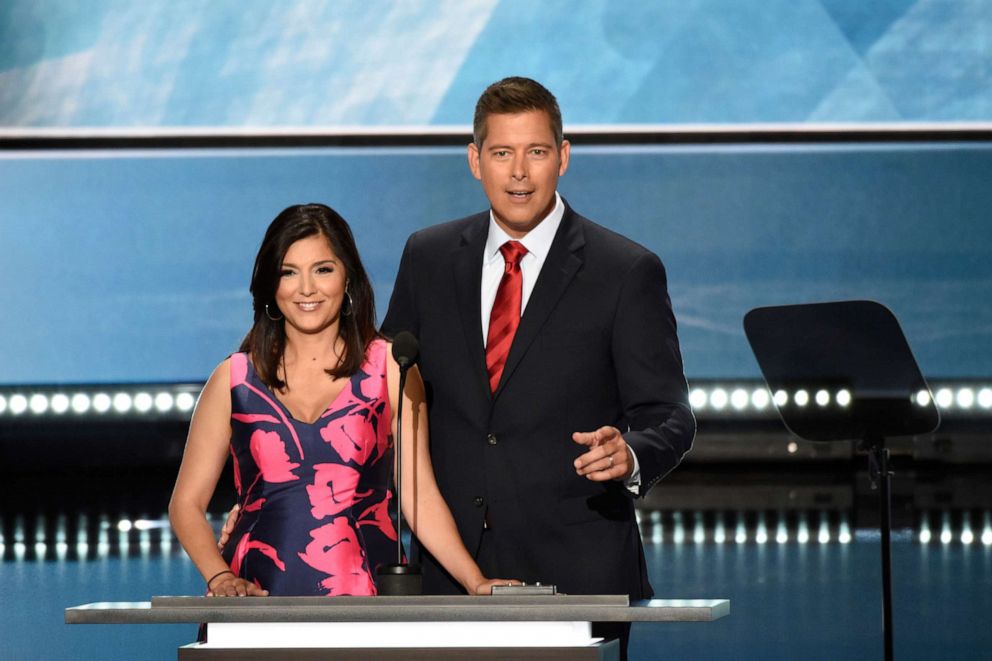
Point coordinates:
[(491, 439), (477, 501)]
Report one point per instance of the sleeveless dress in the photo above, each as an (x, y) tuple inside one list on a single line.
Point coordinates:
[(315, 497)]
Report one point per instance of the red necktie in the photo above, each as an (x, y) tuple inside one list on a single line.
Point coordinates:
[(505, 317)]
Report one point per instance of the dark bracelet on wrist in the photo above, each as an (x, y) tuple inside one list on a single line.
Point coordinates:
[(220, 573)]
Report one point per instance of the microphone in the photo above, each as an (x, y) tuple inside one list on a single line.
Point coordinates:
[(401, 578), (406, 350)]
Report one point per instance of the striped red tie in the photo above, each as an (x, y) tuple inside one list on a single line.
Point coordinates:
[(505, 316)]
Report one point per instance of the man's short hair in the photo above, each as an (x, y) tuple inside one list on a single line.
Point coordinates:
[(515, 95)]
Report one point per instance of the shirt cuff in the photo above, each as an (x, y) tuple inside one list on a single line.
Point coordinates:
[(633, 483)]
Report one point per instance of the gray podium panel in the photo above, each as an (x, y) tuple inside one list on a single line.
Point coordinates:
[(605, 651), (548, 627), (553, 608)]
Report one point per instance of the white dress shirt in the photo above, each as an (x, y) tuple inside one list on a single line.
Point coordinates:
[(537, 242)]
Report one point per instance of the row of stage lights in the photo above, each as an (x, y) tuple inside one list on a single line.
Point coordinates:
[(653, 530), (744, 399), (173, 401)]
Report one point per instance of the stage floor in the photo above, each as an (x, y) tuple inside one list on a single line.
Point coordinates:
[(804, 583)]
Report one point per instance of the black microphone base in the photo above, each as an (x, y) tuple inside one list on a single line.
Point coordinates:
[(399, 580)]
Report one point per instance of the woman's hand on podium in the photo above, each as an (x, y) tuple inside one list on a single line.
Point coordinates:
[(486, 586), (229, 585)]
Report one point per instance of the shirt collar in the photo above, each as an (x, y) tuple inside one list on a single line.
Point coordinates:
[(537, 241)]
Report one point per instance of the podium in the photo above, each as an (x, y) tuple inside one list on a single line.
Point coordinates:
[(422, 627)]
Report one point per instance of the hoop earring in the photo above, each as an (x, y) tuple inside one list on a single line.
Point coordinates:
[(351, 305), (269, 315)]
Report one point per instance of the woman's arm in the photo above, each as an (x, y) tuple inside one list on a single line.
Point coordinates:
[(203, 460), (423, 506)]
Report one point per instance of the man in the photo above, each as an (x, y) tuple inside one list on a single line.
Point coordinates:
[(552, 365)]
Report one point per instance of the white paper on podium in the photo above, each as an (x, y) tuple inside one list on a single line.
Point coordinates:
[(398, 634)]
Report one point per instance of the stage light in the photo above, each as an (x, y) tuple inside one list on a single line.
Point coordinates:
[(781, 398), (102, 402), (163, 402), (741, 536), (678, 536), (822, 398), (965, 398), (985, 398), (782, 534), (987, 537), (719, 532), (657, 532), (697, 398), (718, 398), (843, 397), (802, 536), (3, 404), (124, 525), (792, 447), (185, 401), (738, 399), (18, 404), (967, 537), (944, 398), (759, 399), (801, 398), (38, 404), (844, 535), (699, 534), (144, 543), (946, 536), (925, 536), (143, 402), (80, 403), (60, 403), (122, 402), (923, 398), (824, 535)]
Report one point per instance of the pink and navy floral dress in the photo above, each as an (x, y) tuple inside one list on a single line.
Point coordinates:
[(314, 497)]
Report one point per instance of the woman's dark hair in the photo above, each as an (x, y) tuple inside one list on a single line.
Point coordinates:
[(266, 341)]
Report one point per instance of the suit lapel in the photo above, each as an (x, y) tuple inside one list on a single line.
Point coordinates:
[(560, 266), (467, 273)]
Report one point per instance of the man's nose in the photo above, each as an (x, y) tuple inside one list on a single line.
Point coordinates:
[(519, 169)]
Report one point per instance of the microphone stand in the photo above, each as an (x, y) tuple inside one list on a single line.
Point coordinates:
[(400, 578)]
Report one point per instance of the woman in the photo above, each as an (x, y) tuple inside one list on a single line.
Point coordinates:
[(307, 409)]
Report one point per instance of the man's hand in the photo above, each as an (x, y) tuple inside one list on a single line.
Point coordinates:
[(608, 458), (225, 532)]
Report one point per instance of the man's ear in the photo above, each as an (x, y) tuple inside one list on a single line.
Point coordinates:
[(563, 153), (473, 161)]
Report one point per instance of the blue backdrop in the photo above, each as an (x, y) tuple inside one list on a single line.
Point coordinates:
[(134, 266), (379, 62)]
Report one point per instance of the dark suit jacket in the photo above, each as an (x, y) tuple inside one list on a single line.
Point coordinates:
[(596, 346)]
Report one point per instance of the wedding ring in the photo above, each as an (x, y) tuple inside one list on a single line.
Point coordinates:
[(611, 461)]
